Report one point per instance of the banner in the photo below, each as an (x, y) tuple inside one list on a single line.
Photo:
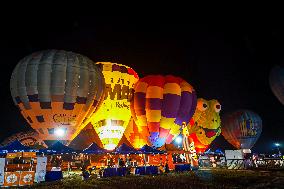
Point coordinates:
[(27, 178), (11, 155), (29, 154), (40, 169), (12, 178), (2, 167)]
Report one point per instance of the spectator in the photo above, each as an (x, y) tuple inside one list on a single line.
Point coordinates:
[(58, 161), (167, 168), (121, 162), (86, 174)]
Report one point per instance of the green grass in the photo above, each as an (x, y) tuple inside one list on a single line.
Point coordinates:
[(198, 179)]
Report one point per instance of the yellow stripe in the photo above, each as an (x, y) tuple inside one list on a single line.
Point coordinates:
[(141, 120), (175, 129), (154, 92), (186, 87), (153, 115), (166, 123), (172, 88)]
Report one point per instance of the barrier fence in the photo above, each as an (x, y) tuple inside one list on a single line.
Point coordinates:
[(265, 163)]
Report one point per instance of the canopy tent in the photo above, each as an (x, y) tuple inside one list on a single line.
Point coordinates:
[(57, 148), (170, 148), (15, 146), (125, 149), (219, 151), (94, 149), (149, 150), (209, 151)]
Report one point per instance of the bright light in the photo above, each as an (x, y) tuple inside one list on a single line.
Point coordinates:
[(178, 139), (110, 134), (110, 146), (277, 144), (59, 132)]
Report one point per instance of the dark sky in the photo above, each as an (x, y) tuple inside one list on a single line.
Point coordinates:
[(228, 61)]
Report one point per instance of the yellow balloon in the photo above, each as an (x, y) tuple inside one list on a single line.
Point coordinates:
[(114, 114)]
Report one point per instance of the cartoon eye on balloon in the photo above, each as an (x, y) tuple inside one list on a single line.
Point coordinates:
[(217, 107), (202, 105)]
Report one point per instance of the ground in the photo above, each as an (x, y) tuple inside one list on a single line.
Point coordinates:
[(214, 178)]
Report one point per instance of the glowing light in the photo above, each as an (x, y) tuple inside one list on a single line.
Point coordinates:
[(59, 132), (110, 146), (178, 139), (113, 116), (277, 144), (110, 134)]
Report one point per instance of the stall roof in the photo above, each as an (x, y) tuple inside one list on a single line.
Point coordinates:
[(149, 150), (125, 149), (95, 149), (15, 146), (57, 148)]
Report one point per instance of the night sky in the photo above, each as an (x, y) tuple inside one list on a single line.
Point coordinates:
[(228, 61)]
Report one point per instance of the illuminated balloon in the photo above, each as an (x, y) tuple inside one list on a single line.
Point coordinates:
[(136, 138), (205, 124), (276, 81), (160, 105), (28, 138), (241, 128), (55, 91), (114, 114)]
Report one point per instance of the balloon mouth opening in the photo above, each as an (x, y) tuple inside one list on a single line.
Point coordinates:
[(210, 132)]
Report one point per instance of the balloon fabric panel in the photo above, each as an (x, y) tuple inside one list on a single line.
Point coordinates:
[(113, 116), (242, 128), (54, 90), (160, 105)]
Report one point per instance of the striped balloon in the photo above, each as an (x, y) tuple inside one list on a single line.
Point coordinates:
[(241, 128), (55, 91), (160, 105)]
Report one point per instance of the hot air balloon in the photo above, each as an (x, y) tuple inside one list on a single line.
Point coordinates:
[(160, 105), (56, 91), (28, 138), (276, 81), (241, 128), (205, 124), (114, 114)]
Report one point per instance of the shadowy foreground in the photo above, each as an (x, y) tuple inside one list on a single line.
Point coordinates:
[(197, 179)]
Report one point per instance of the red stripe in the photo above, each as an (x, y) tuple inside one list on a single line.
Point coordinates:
[(153, 126), (154, 80), (173, 79)]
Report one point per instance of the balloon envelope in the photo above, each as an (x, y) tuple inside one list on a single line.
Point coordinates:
[(205, 124), (276, 81), (28, 138), (241, 128), (160, 105), (114, 114), (55, 91)]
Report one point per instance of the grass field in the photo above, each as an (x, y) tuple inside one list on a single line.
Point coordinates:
[(198, 179)]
